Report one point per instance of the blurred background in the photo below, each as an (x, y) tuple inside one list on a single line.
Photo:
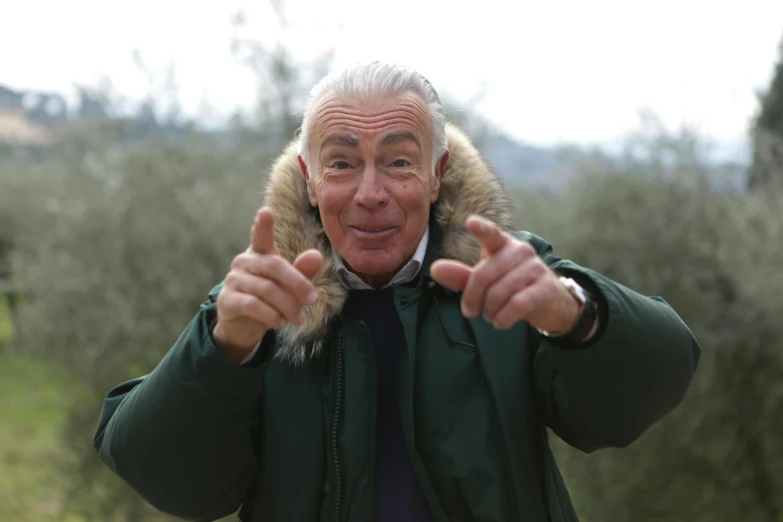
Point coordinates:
[(643, 139)]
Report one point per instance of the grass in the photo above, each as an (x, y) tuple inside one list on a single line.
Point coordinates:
[(33, 408), (6, 326), (34, 397)]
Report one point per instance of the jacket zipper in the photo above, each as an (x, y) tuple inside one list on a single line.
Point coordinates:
[(336, 425)]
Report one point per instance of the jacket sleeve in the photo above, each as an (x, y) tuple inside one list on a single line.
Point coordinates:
[(635, 370), (180, 436)]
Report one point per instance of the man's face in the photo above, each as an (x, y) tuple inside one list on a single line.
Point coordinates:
[(372, 179)]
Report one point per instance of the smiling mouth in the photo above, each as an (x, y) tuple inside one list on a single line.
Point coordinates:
[(367, 230)]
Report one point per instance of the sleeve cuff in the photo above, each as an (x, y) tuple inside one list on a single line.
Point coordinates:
[(256, 357), (249, 358), (596, 327), (589, 337), (601, 318)]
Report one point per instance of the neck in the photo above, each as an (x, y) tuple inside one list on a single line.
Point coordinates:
[(376, 281)]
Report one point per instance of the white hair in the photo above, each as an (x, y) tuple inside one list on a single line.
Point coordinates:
[(376, 79)]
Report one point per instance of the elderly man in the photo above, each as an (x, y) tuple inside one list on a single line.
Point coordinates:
[(388, 348)]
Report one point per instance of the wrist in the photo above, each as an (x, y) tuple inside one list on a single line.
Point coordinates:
[(234, 351), (581, 332), (582, 314)]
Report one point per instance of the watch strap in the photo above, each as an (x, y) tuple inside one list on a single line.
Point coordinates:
[(587, 314)]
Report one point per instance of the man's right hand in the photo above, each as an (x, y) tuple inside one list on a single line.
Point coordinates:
[(263, 291)]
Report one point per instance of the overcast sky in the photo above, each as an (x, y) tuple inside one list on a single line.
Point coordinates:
[(554, 71)]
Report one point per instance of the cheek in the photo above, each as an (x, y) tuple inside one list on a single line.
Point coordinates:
[(414, 193), (413, 202), (333, 199)]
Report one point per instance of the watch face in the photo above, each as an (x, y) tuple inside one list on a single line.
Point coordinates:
[(575, 289)]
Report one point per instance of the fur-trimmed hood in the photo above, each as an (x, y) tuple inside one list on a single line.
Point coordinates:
[(467, 187)]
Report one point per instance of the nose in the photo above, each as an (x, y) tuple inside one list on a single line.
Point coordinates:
[(371, 192)]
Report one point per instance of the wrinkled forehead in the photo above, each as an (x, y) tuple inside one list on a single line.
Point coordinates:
[(352, 120)]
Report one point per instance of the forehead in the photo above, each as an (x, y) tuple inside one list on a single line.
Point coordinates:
[(370, 119)]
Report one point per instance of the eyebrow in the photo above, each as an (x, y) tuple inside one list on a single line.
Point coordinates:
[(399, 137), (340, 139), (348, 140)]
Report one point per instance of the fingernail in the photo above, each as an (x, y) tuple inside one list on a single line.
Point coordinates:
[(312, 297)]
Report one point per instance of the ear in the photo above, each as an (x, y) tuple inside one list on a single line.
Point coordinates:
[(306, 174), (440, 167)]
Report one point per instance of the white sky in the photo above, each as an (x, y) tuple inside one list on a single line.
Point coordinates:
[(568, 70)]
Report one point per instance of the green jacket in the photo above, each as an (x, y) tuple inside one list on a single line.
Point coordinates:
[(292, 437)]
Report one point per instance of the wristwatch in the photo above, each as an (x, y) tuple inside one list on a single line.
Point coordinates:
[(586, 314)]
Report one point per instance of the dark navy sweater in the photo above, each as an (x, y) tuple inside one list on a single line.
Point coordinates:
[(399, 496)]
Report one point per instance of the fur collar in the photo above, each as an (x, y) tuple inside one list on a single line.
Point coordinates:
[(467, 186)]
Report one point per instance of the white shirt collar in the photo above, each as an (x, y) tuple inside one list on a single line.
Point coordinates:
[(406, 274)]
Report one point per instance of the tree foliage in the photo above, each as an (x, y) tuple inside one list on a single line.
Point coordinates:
[(661, 228), (123, 242), (123, 245), (113, 242), (767, 169)]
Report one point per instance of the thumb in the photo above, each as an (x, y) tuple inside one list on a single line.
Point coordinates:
[(262, 235), (451, 274), (309, 263)]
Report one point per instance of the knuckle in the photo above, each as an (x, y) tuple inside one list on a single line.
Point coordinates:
[(274, 319), (232, 279), (523, 247), (226, 296), (264, 287), (495, 294), (253, 263), (480, 278), (469, 297), (276, 296), (289, 309), (502, 317), (222, 302), (521, 303), (255, 306), (276, 262), (536, 267), (239, 260), (256, 309), (227, 305), (527, 248)]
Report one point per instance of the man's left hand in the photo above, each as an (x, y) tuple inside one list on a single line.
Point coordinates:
[(510, 283)]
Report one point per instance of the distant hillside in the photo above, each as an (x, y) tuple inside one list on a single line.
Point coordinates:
[(30, 117), (521, 164)]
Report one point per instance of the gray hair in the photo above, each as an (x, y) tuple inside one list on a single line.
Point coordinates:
[(376, 79)]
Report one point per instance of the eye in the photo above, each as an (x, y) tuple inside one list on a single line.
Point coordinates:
[(340, 165), (400, 163)]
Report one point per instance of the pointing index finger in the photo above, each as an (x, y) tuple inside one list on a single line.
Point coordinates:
[(488, 233), (262, 235)]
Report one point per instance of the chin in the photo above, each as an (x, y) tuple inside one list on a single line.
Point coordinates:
[(374, 263)]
